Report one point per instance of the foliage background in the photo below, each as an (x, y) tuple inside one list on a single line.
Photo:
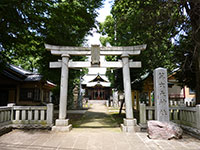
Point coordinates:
[(26, 25), (171, 30)]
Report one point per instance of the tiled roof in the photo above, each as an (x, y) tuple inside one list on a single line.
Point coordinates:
[(33, 77), (19, 74), (98, 78), (19, 70)]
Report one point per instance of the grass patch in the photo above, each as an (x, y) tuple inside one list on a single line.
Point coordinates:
[(118, 118)]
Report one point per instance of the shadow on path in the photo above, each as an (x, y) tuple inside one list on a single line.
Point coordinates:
[(96, 117)]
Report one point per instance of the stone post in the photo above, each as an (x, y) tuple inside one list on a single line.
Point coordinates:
[(11, 113), (62, 122), (198, 116), (143, 120), (129, 122), (161, 95), (50, 114), (75, 94)]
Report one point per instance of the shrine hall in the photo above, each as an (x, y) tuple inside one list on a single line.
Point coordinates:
[(97, 89)]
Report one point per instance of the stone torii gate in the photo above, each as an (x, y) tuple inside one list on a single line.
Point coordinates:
[(95, 51)]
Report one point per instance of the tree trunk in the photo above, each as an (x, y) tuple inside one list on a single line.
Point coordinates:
[(122, 103), (193, 10), (197, 89), (196, 37)]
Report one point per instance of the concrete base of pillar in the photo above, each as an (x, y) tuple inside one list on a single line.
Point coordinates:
[(130, 125), (127, 129), (62, 126), (64, 122)]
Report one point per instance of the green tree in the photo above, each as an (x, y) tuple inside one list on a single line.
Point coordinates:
[(20, 23), (156, 23), (141, 22), (26, 25), (193, 19)]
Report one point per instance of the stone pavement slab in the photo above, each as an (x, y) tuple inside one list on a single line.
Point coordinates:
[(93, 133), (86, 140)]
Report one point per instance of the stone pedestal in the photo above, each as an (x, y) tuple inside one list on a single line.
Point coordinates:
[(130, 125), (62, 126), (163, 130)]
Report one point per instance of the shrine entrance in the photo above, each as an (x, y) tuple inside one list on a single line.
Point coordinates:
[(98, 92), (95, 51), (97, 88)]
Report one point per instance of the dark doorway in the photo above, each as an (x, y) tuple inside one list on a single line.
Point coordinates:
[(3, 97)]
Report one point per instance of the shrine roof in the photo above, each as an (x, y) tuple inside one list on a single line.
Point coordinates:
[(91, 80), (19, 74), (98, 78)]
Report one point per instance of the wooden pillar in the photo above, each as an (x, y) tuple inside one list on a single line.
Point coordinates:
[(133, 100), (18, 94), (41, 93), (137, 100), (149, 95)]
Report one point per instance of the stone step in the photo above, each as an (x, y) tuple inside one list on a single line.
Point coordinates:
[(97, 101)]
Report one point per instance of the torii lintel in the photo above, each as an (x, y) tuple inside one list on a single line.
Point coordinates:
[(71, 50)]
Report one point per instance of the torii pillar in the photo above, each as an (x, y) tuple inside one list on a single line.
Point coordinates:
[(62, 123), (129, 122)]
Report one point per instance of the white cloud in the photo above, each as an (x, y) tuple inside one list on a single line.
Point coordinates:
[(103, 12), (94, 39)]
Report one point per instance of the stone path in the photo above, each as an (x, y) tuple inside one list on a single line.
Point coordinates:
[(98, 119), (95, 132)]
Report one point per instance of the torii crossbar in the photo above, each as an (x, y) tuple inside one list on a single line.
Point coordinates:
[(95, 51)]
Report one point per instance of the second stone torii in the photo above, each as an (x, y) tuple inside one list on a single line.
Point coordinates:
[(95, 51)]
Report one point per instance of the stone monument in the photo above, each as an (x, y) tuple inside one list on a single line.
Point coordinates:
[(162, 128), (161, 95), (115, 99), (75, 94)]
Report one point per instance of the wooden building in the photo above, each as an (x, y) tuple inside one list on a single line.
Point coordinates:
[(144, 94), (98, 90), (23, 87), (177, 95)]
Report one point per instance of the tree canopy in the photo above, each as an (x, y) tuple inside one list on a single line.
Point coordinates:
[(26, 25), (169, 28)]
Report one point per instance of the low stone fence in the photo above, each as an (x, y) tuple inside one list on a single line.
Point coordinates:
[(31, 116), (184, 116), (115, 104), (5, 115)]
